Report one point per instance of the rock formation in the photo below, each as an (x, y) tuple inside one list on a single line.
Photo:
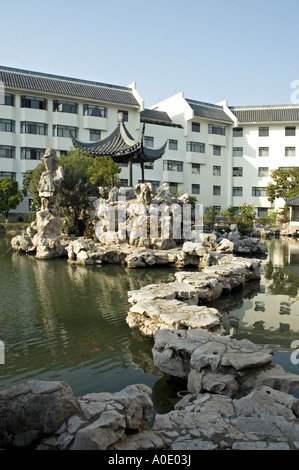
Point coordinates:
[(219, 364), (46, 416), (179, 304), (43, 236)]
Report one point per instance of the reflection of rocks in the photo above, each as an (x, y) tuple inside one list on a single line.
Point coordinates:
[(219, 364)]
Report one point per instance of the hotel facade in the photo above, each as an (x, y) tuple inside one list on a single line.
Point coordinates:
[(221, 154)]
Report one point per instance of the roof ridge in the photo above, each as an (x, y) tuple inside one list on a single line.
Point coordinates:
[(203, 103), (264, 106), (64, 78)]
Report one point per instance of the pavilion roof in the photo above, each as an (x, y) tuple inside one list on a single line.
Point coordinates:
[(294, 201), (121, 146)]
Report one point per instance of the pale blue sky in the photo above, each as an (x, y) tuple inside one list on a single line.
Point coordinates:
[(245, 52)]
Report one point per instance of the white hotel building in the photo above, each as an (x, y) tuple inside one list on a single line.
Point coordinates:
[(221, 154)]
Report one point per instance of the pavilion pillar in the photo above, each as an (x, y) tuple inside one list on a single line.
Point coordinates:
[(130, 165), (142, 172)]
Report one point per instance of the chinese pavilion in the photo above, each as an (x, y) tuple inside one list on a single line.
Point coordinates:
[(122, 148)]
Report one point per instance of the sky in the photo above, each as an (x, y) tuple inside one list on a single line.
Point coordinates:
[(243, 52)]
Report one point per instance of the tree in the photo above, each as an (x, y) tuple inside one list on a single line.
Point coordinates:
[(82, 175), (285, 184), (104, 171), (10, 196), (245, 218), (76, 190), (30, 184), (210, 215)]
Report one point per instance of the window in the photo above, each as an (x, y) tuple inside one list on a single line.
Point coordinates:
[(262, 211), (263, 131), (64, 131), (263, 171), (237, 171), (7, 151), (9, 99), (32, 153), (94, 135), (155, 184), (260, 192), (33, 102), (172, 144), (263, 151), (216, 190), (173, 187), (39, 128), (237, 191), (123, 182), (237, 151), (149, 165), (217, 209), (195, 188), (148, 141), (7, 125), (172, 165), (216, 170), (216, 150), (93, 110), (195, 127), (216, 129), (124, 115), (290, 130), (238, 132), (290, 152), (8, 174), (65, 107), (196, 168), (195, 147), (63, 152)]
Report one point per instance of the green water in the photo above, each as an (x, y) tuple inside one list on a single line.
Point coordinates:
[(65, 322)]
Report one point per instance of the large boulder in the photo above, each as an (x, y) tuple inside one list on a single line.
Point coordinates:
[(33, 409)]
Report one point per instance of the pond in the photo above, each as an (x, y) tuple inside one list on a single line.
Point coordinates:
[(64, 322)]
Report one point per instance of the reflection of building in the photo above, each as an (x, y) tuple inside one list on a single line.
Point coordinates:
[(271, 314), (294, 210), (222, 155)]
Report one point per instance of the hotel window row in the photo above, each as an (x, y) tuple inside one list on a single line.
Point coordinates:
[(264, 152), (264, 131), (63, 106)]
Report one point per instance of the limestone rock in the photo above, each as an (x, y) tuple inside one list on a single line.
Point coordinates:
[(33, 409), (265, 419), (218, 364)]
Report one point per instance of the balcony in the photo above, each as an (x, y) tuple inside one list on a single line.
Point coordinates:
[(196, 157)]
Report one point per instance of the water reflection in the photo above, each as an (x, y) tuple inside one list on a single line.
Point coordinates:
[(65, 322), (267, 312)]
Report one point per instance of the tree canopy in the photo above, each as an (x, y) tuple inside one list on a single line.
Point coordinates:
[(285, 184), (82, 175), (10, 196)]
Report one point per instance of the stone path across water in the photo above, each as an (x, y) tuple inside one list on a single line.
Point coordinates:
[(178, 304)]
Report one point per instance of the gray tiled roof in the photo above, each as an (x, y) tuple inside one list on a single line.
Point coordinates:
[(121, 146), (66, 87), (294, 201), (154, 115), (209, 111), (256, 114)]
